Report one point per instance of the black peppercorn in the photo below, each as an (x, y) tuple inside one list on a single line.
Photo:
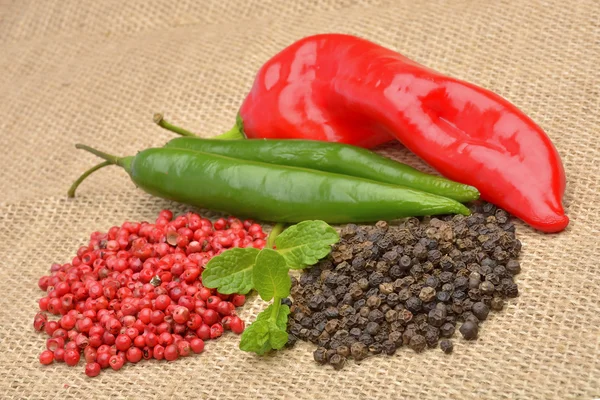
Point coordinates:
[(480, 310), (474, 294), (323, 339), (469, 330), (395, 337), (486, 287), (363, 283), (358, 263), (347, 310), (306, 322), (372, 328), (386, 288), (408, 333), (512, 290), (432, 281), (292, 339), (443, 296), (391, 315), (492, 278), (366, 339), (313, 335), (459, 295), (320, 326), (332, 325), (500, 271), (446, 277), (373, 301), (340, 292), (375, 348), (405, 316), (389, 347), (356, 292), (497, 304), (358, 304), (331, 301), (446, 346), (343, 280), (405, 262), (431, 337), (375, 279), (375, 316), (414, 304), (396, 271), (427, 294), (447, 330), (343, 351), (359, 351), (390, 256), (513, 267), (428, 306), (331, 312), (436, 317), (461, 283), (417, 343), (474, 280), (337, 361), (320, 355)]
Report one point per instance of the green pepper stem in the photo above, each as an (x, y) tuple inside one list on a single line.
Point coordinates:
[(75, 185), (160, 121), (232, 134), (108, 157)]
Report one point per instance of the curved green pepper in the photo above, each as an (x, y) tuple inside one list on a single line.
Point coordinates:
[(272, 192), (330, 157)]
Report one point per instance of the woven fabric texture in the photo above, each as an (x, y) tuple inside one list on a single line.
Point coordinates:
[(94, 72)]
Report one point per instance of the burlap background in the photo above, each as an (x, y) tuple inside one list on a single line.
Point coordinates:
[(95, 72)]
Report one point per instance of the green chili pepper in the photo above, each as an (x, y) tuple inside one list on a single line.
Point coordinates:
[(330, 157), (272, 192)]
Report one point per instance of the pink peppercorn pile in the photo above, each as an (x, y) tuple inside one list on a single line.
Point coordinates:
[(135, 293)]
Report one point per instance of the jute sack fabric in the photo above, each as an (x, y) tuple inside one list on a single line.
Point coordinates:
[(95, 72)]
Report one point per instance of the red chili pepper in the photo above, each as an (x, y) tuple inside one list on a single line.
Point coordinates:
[(346, 89)]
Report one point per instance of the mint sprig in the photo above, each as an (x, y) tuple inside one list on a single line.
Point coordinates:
[(269, 331), (231, 271), (270, 275), (306, 243), (240, 270)]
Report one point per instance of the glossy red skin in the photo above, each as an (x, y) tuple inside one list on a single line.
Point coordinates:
[(341, 88)]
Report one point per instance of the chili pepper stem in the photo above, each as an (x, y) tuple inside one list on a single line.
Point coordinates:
[(233, 133), (108, 157), (160, 121), (75, 185)]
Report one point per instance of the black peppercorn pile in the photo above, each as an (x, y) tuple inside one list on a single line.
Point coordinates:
[(412, 284)]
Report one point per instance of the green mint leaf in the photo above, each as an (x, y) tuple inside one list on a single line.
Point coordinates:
[(255, 337), (267, 332), (277, 337), (270, 275), (231, 271), (306, 243)]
